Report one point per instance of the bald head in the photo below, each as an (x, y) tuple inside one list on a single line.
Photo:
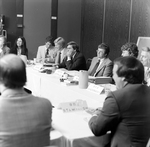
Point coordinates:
[(12, 71)]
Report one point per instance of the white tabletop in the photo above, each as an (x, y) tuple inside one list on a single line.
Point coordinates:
[(72, 125)]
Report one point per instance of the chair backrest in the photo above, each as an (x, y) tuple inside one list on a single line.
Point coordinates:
[(88, 63), (143, 42), (148, 144)]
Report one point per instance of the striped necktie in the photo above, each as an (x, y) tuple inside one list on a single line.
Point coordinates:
[(95, 68), (47, 53), (148, 73)]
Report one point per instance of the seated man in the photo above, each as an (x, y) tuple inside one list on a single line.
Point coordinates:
[(101, 65), (47, 52), (126, 111), (145, 59), (61, 50), (3, 47), (25, 120), (74, 59), (130, 49)]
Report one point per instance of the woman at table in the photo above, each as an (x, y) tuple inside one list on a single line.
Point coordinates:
[(19, 47)]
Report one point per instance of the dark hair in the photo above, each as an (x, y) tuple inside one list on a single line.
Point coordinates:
[(49, 39), (12, 77), (74, 45), (131, 48), (105, 47), (24, 50), (130, 68)]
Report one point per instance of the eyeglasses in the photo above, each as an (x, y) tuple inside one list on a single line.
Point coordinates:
[(100, 51)]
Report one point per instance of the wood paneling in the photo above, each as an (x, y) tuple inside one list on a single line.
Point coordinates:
[(37, 24), (9, 10), (140, 24), (19, 10), (0, 6), (117, 20), (54, 17), (92, 26), (69, 20)]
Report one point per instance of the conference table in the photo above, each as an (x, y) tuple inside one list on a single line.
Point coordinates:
[(70, 128)]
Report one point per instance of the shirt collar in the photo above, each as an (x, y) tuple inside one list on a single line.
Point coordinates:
[(13, 92)]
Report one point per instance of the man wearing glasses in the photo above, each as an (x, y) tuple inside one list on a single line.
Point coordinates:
[(101, 65)]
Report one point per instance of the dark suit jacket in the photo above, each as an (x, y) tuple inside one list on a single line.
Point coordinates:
[(126, 113), (77, 63), (25, 120), (104, 70)]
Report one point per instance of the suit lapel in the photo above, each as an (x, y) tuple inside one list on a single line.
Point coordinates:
[(76, 55), (94, 67), (101, 66)]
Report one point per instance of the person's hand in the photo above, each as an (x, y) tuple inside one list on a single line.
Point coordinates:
[(97, 111), (47, 60), (68, 54)]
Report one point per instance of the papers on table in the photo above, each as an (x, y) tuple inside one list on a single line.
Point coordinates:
[(100, 80), (49, 64), (73, 106), (101, 88), (95, 88)]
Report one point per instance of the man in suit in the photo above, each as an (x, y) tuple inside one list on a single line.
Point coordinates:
[(130, 49), (126, 111), (74, 59), (47, 52), (145, 59), (61, 50), (3, 47), (25, 120), (101, 65)]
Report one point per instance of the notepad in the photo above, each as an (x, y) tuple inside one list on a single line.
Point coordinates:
[(100, 80)]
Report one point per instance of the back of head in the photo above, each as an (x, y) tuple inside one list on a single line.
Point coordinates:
[(131, 69), (131, 48), (74, 45), (105, 47), (12, 71), (60, 41)]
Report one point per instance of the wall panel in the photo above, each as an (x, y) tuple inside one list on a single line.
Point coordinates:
[(117, 20), (92, 26), (19, 19), (37, 16), (140, 24), (69, 20), (0, 6), (9, 10)]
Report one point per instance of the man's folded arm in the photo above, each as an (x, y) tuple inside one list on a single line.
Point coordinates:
[(107, 119)]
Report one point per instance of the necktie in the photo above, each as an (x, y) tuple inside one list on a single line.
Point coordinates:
[(147, 73), (97, 69), (58, 59), (98, 66), (47, 52), (94, 69)]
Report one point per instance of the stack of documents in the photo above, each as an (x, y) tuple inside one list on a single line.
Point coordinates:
[(100, 80)]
